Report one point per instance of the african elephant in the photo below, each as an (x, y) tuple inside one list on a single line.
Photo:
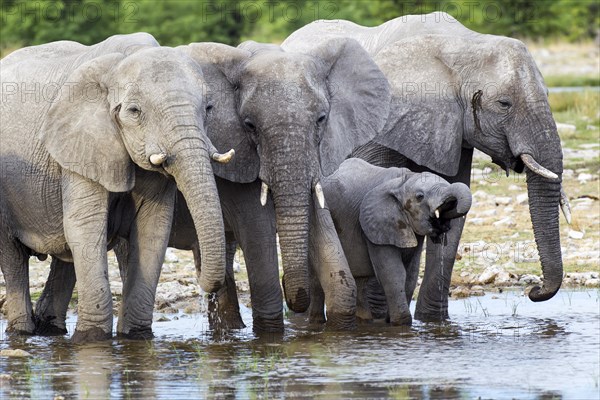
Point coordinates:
[(455, 90), (94, 140), (381, 216)]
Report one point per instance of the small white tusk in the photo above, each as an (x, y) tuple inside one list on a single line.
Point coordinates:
[(158, 159), (264, 190), (565, 206), (223, 158), (437, 213), (320, 195), (534, 166)]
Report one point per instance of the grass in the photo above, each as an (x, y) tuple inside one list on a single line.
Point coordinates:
[(571, 81)]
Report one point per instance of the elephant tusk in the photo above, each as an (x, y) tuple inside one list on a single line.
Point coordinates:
[(223, 158), (537, 168), (565, 206), (264, 190), (320, 195), (158, 159), (437, 213)]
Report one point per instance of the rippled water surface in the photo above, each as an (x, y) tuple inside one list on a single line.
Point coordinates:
[(496, 346)]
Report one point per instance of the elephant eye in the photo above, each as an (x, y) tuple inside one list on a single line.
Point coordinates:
[(321, 119), (419, 196), (249, 125), (133, 109), (209, 108), (504, 104)]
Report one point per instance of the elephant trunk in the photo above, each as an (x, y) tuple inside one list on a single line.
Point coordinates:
[(193, 173), (292, 215), (537, 144), (455, 202), (544, 195)]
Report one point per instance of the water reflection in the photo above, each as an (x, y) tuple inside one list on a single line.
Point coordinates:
[(490, 349)]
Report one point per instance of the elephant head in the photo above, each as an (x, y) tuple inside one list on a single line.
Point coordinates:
[(394, 212), (301, 114), (145, 109), (481, 91)]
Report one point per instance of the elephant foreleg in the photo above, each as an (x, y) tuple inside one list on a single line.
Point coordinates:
[(316, 310), (85, 220), (432, 303), (412, 268), (15, 268), (391, 272), (51, 308), (363, 309), (254, 227), (148, 238), (223, 306), (328, 259)]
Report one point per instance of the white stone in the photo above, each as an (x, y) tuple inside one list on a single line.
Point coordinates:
[(489, 213), (584, 177), (575, 234), (500, 200), (509, 209), (507, 222), (594, 282), (530, 279), (476, 221), (503, 277), (591, 128), (568, 173), (522, 198), (488, 275), (170, 256), (480, 194), (14, 353), (514, 188)]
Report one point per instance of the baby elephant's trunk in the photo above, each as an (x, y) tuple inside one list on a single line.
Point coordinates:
[(455, 202)]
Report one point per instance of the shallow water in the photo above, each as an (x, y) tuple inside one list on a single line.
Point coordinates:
[(496, 346)]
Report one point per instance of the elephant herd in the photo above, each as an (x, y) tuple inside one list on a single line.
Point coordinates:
[(349, 144)]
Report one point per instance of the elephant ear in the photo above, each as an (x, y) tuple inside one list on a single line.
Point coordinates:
[(359, 97), (80, 133), (382, 216), (219, 63), (426, 120)]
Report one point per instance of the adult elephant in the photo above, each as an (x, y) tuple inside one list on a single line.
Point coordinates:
[(301, 115), (91, 137), (455, 90)]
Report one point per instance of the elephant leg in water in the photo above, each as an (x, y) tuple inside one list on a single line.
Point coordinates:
[(51, 308), (223, 305), (253, 227), (328, 260)]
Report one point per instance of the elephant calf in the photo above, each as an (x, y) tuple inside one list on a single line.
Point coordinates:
[(382, 216)]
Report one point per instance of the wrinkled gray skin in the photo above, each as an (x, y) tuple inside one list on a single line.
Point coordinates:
[(303, 113), (246, 222), (455, 90), (76, 172), (381, 216)]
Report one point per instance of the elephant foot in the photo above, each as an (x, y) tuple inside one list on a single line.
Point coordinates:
[(432, 315), (267, 325), (341, 322), (139, 333), (21, 326), (90, 335), (46, 326), (363, 321), (402, 320), (225, 320)]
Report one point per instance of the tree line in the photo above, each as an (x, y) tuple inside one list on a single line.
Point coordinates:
[(176, 22)]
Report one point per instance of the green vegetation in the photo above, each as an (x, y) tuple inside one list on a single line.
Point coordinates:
[(178, 22)]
